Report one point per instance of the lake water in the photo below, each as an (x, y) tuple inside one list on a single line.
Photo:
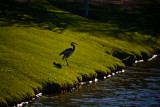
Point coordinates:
[(138, 86)]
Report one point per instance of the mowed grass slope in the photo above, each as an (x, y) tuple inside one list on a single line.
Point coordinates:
[(31, 38), (28, 54)]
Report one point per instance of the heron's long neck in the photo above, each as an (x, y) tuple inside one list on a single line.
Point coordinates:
[(73, 47)]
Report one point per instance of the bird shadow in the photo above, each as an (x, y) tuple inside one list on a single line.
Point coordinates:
[(57, 65)]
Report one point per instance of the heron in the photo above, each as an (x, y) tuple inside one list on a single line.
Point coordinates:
[(68, 52)]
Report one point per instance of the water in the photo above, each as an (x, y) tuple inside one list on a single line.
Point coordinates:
[(137, 86)]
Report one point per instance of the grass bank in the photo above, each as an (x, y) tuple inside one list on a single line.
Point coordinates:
[(33, 34)]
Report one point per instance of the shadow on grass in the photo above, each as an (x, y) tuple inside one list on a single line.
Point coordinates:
[(143, 18), (111, 20), (51, 87), (57, 65), (36, 14)]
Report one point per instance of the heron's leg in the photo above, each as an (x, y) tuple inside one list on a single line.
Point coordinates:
[(63, 57), (67, 62)]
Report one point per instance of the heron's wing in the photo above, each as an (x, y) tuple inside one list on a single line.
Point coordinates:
[(66, 51)]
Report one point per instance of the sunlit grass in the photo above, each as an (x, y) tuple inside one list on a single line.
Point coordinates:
[(28, 54)]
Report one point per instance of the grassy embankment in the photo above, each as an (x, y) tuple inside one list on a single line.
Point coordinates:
[(33, 34)]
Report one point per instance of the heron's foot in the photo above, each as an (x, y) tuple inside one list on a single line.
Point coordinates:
[(68, 65)]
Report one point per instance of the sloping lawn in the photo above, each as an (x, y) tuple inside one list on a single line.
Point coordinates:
[(33, 34)]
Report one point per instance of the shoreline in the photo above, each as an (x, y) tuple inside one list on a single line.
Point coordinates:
[(87, 81), (50, 86), (33, 34)]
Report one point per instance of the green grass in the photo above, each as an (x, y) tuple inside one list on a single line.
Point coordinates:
[(27, 56), (33, 34), (144, 17)]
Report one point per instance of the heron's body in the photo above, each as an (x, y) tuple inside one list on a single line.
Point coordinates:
[(68, 52)]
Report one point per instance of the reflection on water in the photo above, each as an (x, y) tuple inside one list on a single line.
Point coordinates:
[(138, 86)]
